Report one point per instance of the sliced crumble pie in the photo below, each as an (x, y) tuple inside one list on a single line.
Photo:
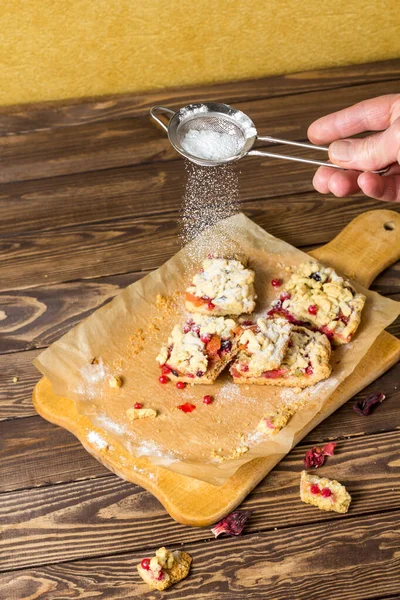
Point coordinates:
[(263, 346), (165, 568), (199, 349), (327, 494), (304, 356), (224, 286), (317, 297)]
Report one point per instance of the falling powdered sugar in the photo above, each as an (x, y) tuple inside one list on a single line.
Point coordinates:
[(211, 195)]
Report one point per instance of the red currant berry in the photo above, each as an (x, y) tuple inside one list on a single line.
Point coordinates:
[(313, 309), (163, 379), (285, 296), (137, 405), (146, 564), (180, 385), (314, 489), (207, 399), (276, 282), (326, 492)]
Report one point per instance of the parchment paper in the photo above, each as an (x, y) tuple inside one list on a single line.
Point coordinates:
[(125, 336)]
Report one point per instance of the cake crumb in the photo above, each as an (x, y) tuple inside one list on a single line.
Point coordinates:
[(115, 381), (15, 379), (136, 342), (141, 413)]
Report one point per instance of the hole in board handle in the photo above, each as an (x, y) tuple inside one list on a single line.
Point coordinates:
[(389, 226)]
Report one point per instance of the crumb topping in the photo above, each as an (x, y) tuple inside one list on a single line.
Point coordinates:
[(264, 346), (318, 295), (225, 282), (186, 350)]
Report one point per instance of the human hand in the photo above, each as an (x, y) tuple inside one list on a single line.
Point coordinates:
[(371, 153)]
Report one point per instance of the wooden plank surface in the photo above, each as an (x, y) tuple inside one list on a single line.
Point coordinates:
[(115, 247), (103, 516), (130, 141), (85, 186), (51, 115), (357, 560)]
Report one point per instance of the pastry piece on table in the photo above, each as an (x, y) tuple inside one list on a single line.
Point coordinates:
[(327, 494), (165, 568), (199, 349), (316, 296), (224, 286), (300, 358)]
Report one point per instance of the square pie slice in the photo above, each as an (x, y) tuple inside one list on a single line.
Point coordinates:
[(304, 363), (224, 286), (199, 348), (317, 297), (326, 494), (165, 568)]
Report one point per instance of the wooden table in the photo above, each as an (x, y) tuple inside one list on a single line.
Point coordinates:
[(89, 201)]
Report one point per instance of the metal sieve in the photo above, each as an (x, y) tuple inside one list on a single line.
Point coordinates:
[(221, 118)]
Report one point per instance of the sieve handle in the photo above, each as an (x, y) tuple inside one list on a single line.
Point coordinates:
[(161, 109), (309, 161)]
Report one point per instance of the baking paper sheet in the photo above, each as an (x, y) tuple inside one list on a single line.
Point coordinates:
[(125, 335)]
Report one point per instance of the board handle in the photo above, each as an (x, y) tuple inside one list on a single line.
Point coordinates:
[(365, 247)]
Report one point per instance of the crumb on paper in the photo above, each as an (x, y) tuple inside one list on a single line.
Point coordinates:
[(136, 342), (141, 413), (274, 421), (237, 453), (168, 303), (15, 379), (165, 568), (115, 381), (94, 361)]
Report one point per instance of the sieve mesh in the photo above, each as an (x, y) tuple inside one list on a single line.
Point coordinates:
[(207, 122)]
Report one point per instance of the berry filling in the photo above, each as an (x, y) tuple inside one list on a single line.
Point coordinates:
[(285, 296), (160, 576), (165, 370), (210, 306), (314, 489), (313, 309), (274, 374), (326, 493), (145, 564), (309, 370)]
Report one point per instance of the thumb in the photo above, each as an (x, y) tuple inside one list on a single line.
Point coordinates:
[(370, 153)]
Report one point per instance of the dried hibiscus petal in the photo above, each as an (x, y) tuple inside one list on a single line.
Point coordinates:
[(232, 524), (315, 457), (364, 406)]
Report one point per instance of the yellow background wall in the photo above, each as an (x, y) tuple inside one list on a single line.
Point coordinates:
[(51, 49)]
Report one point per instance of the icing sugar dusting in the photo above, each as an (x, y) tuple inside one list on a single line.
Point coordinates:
[(209, 144), (97, 440), (211, 195)]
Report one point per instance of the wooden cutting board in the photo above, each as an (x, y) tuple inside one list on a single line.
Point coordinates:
[(368, 245)]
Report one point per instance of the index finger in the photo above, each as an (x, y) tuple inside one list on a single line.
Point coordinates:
[(374, 114)]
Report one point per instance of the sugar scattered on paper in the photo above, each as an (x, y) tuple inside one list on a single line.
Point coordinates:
[(97, 440)]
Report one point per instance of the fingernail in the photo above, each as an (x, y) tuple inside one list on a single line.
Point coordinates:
[(342, 151)]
